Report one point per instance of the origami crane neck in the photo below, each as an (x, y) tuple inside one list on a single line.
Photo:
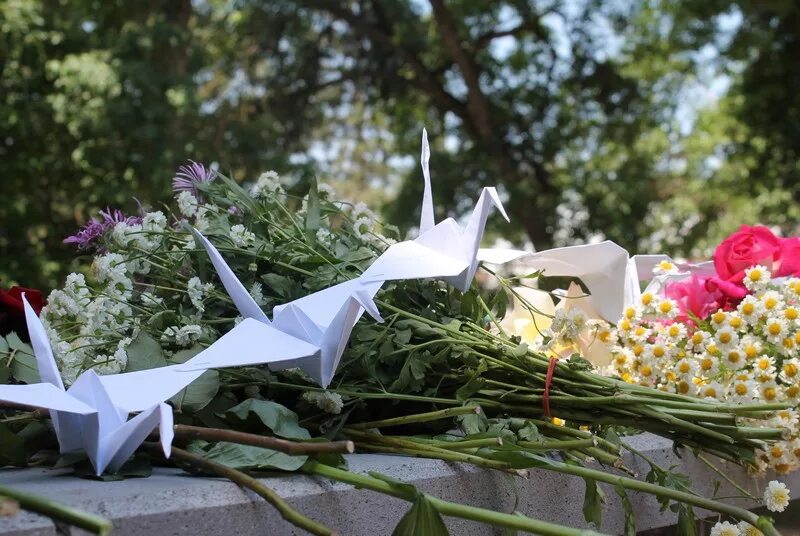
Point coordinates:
[(426, 220), (473, 231)]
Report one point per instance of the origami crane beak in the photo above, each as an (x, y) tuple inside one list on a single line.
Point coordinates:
[(364, 299), (493, 195)]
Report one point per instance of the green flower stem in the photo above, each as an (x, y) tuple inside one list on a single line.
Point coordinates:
[(294, 448), (246, 481), (481, 515), (416, 418), (728, 479), (557, 444), (468, 443), (379, 443), (660, 491), (359, 394), (60, 512), (750, 432), (491, 316)]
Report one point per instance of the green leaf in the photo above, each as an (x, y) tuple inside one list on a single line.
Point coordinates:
[(24, 367), (312, 222), (247, 458), (529, 432), (627, 509), (197, 394), (280, 284), (473, 423), (144, 352), (164, 319), (593, 503), (422, 518), (280, 420), (182, 356), (137, 467), (4, 347), (12, 447)]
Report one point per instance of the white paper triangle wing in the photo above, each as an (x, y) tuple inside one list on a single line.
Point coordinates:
[(143, 389), (44, 395), (250, 343), (241, 298)]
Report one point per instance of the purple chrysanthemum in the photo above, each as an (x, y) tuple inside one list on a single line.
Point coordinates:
[(95, 228), (190, 175)]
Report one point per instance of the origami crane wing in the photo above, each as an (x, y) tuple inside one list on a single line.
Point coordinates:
[(118, 445), (140, 390), (245, 303), (413, 260), (602, 268), (44, 395), (250, 343)]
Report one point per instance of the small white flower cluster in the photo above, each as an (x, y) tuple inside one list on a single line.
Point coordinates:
[(327, 401), (197, 290), (742, 356), (241, 237), (268, 183), (776, 499), (184, 336), (365, 223)]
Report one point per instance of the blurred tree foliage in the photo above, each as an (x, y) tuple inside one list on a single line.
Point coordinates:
[(582, 111)]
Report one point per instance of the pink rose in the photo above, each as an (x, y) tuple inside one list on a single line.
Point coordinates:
[(745, 248), (697, 295), (790, 257)]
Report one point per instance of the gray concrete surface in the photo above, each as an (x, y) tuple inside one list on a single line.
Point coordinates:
[(173, 503)]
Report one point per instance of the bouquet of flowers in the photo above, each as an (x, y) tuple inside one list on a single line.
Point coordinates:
[(440, 378)]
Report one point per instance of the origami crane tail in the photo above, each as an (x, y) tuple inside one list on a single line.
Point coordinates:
[(426, 220), (365, 300), (245, 303)]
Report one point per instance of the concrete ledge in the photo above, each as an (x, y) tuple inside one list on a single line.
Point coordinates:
[(173, 503)]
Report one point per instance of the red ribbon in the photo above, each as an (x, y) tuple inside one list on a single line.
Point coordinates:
[(551, 368)]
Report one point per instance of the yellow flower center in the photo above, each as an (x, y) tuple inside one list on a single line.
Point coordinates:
[(774, 329), (697, 338), (741, 389), (776, 451), (734, 357), (748, 308), (770, 302), (712, 349), (604, 336), (659, 351), (725, 337), (790, 370), (683, 387), (666, 265), (750, 351), (735, 322), (755, 275), (665, 307), (763, 364), (710, 391), (638, 349), (625, 325), (791, 313), (647, 298), (706, 364), (770, 393), (630, 313), (718, 317), (792, 391), (684, 367), (639, 331), (674, 330), (646, 370)]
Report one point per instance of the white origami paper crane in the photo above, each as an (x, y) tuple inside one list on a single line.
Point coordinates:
[(92, 414), (85, 416), (444, 250), (309, 333)]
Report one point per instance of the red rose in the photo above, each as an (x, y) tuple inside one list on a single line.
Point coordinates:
[(12, 310)]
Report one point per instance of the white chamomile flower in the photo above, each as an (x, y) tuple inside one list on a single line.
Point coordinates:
[(708, 365), (751, 346), (698, 340), (756, 278), (686, 369), (712, 389), (719, 319), (750, 309), (736, 322), (769, 391), (665, 268), (726, 338), (632, 312), (772, 301), (363, 227), (268, 183), (257, 293), (746, 529), (776, 496), (197, 290), (791, 289), (790, 370), (325, 190), (734, 358), (675, 331), (648, 303), (725, 528), (667, 307), (764, 364), (742, 390), (775, 330), (326, 401), (241, 236)]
